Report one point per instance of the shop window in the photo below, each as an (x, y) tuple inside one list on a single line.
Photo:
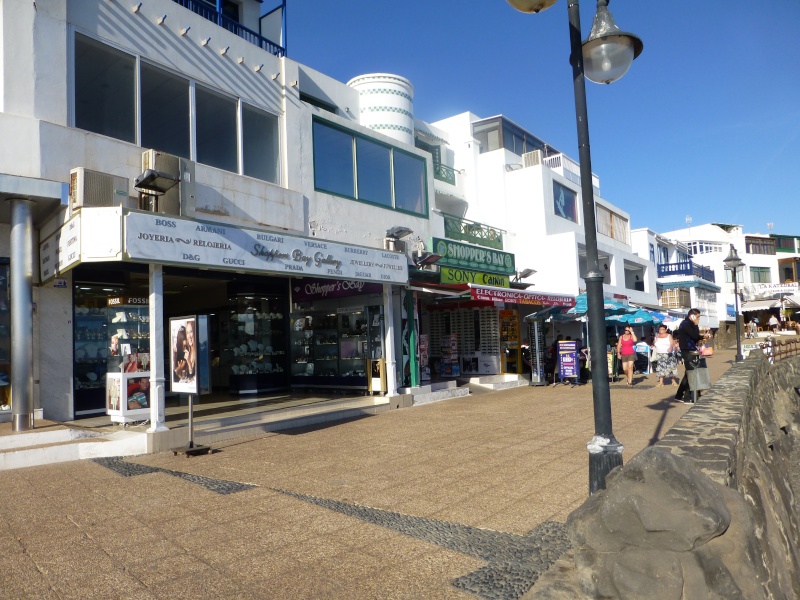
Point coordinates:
[(215, 126), (374, 172), (165, 111), (565, 202), (409, 183), (105, 98), (260, 144)]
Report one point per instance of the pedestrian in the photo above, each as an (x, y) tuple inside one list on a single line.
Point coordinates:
[(689, 338), (626, 351), (773, 323), (665, 347)]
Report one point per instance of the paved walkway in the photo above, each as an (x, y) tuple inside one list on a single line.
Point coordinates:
[(463, 498)]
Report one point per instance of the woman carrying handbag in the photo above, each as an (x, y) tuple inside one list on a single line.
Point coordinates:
[(627, 353), (665, 347)]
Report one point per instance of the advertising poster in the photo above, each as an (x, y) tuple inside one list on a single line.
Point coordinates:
[(183, 354), (568, 365)]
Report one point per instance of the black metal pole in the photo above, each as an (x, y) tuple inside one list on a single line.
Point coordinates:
[(739, 356), (605, 452)]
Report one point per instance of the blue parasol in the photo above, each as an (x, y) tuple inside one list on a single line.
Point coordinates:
[(640, 317), (611, 307)]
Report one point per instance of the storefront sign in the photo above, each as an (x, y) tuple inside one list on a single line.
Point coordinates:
[(183, 355), (474, 258), (568, 365), (163, 239), (450, 275), (519, 296), (768, 290), (61, 251), (309, 289)]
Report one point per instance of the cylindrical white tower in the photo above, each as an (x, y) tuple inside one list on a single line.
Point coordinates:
[(387, 104)]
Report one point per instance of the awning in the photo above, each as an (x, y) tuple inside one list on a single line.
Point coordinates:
[(495, 294), (754, 305)]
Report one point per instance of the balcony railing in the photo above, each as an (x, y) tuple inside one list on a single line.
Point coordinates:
[(456, 228), (207, 12), (565, 166), (444, 173), (686, 267)]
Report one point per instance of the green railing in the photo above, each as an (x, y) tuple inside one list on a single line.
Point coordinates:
[(444, 173), (456, 228)]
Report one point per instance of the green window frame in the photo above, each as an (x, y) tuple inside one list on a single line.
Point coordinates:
[(360, 168)]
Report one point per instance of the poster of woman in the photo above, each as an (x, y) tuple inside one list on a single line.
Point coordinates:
[(183, 354)]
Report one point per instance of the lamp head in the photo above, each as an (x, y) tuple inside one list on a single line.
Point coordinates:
[(733, 261), (526, 273), (608, 52), (531, 6)]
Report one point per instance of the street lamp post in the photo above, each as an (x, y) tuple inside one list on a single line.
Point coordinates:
[(734, 263), (605, 56)]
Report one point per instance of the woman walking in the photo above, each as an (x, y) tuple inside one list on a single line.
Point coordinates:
[(627, 353), (665, 347)]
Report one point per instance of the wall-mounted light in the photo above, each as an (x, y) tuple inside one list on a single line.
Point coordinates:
[(241, 60), (295, 83), (258, 68), (426, 258), (398, 232), (155, 183), (205, 41), (224, 51), (162, 20), (137, 7), (274, 77), (185, 30)]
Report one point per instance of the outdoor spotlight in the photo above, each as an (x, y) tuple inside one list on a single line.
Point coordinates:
[(427, 258), (525, 273), (155, 183), (398, 232)]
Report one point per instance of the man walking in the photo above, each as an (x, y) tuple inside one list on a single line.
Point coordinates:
[(688, 339)]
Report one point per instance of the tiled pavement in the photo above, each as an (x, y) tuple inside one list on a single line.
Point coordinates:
[(464, 498)]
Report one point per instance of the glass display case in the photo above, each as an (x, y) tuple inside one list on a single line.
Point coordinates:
[(90, 353), (127, 378), (330, 349), (253, 341)]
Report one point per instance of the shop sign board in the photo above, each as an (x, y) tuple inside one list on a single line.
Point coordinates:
[(768, 290), (473, 258), (61, 251), (568, 365), (450, 275), (168, 239), (183, 354), (310, 289), (493, 294)]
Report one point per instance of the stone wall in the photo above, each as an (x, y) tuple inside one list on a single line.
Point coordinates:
[(708, 512)]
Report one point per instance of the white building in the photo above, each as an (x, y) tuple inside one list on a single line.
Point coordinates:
[(760, 277), (682, 283), (515, 182), (270, 192)]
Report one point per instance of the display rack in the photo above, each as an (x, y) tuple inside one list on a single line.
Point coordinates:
[(510, 340), (253, 345), (330, 349)]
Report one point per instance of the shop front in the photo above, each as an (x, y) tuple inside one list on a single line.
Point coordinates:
[(274, 322), (470, 318)]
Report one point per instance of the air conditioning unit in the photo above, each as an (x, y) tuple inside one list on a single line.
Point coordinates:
[(394, 245), (92, 188), (180, 200), (531, 159)]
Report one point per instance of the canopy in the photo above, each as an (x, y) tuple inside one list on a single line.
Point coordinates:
[(640, 317), (611, 307)]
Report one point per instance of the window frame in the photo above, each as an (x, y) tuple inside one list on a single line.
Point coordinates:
[(137, 74), (354, 135)]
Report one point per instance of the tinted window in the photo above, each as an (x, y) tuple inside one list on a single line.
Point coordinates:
[(215, 128), (333, 160), (374, 172), (105, 98), (409, 183), (165, 111), (260, 140)]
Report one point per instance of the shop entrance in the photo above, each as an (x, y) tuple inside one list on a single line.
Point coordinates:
[(247, 332)]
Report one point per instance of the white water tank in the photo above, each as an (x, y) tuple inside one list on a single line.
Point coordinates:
[(387, 104)]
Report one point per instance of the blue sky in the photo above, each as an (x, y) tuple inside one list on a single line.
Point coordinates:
[(706, 123)]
